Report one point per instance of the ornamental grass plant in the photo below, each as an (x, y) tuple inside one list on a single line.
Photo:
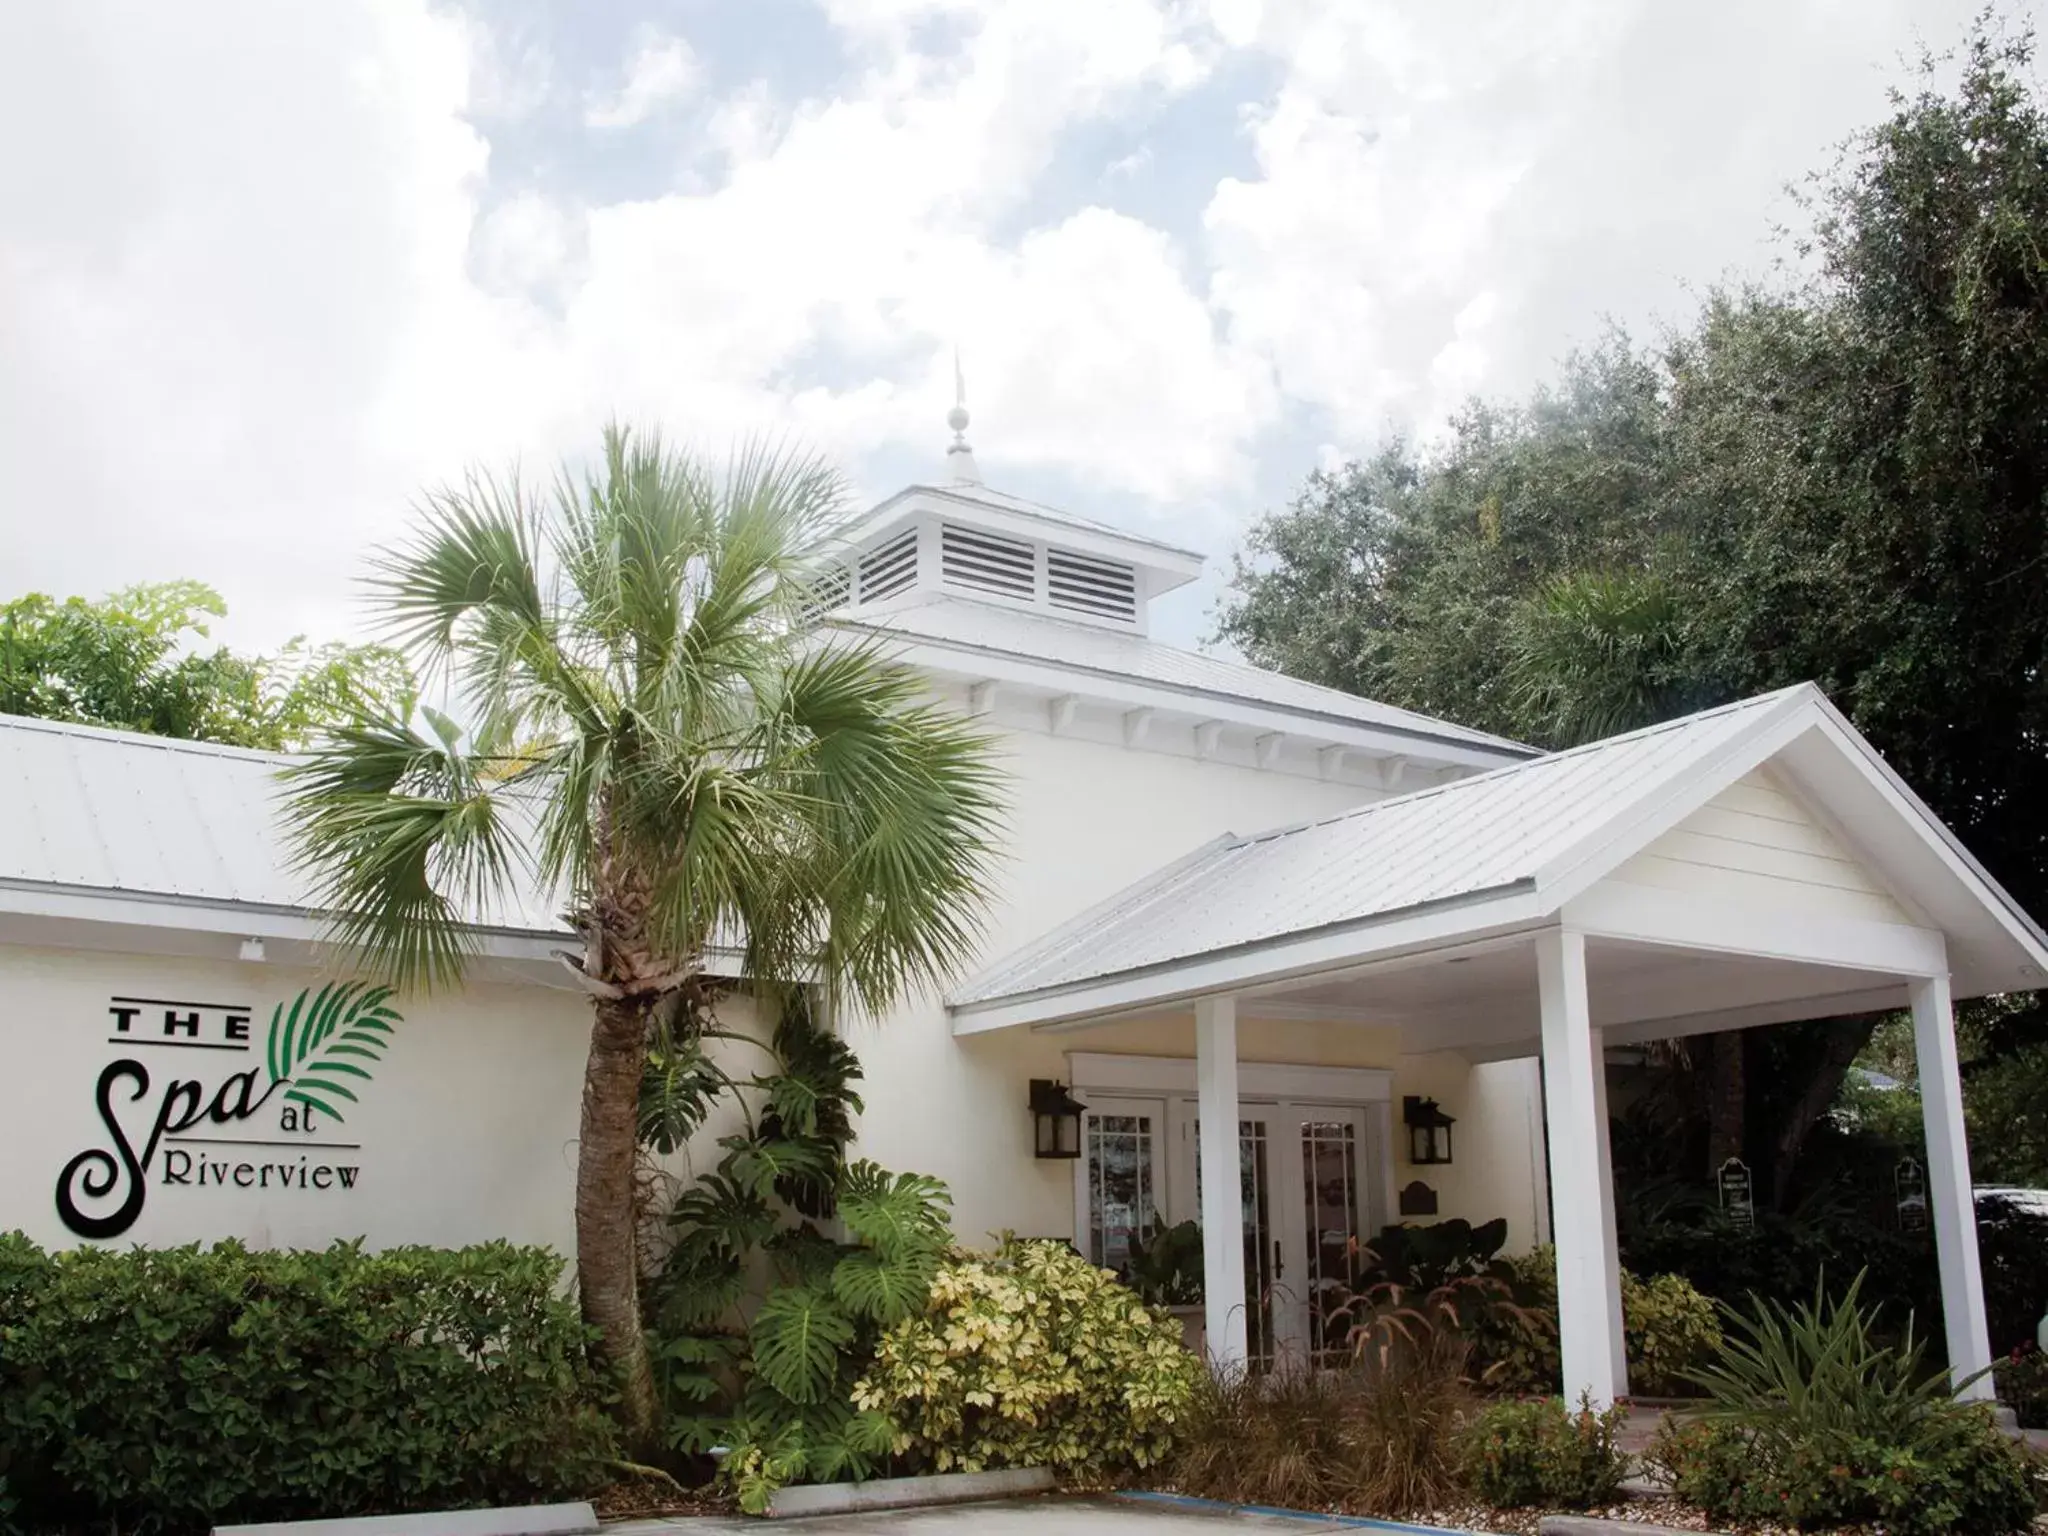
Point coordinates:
[(1813, 1419), (1376, 1433)]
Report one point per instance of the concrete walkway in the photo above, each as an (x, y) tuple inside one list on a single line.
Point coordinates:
[(1026, 1517)]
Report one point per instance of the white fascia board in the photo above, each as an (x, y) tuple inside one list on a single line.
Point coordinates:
[(1933, 833), (1106, 1072), (972, 664), (1620, 836), (1679, 920), (88, 908), (1486, 914)]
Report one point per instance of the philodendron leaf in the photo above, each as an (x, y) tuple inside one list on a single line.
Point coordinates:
[(325, 1041), (899, 1214), (888, 1290), (797, 1336)]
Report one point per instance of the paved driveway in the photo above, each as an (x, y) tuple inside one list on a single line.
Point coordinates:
[(1027, 1517)]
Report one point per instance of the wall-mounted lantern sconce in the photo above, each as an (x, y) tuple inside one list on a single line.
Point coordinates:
[(1429, 1130), (1056, 1119)]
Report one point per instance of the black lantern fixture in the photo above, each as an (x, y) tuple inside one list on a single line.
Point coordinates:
[(1429, 1130), (1056, 1119)]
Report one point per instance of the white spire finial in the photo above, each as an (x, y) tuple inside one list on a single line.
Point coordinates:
[(960, 465)]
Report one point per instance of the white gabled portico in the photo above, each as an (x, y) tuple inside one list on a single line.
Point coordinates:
[(1749, 865)]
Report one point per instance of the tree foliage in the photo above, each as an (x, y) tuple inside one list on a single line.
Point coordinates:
[(659, 737), (1840, 476), (135, 661)]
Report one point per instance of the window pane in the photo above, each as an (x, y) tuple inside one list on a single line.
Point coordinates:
[(1121, 1200), (1329, 1166), (1259, 1277)]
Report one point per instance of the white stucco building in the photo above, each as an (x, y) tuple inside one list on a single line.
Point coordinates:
[(1241, 917)]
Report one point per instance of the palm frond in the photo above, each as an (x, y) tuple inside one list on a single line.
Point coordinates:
[(683, 753), (405, 839)]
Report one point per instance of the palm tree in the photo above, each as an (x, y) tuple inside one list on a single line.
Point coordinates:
[(659, 736)]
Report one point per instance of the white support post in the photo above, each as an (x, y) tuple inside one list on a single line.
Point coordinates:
[(1582, 1216), (1222, 1204), (1948, 1185), (1610, 1244)]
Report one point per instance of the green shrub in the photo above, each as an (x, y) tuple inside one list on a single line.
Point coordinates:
[(2022, 1379), (1960, 1474), (1813, 1419), (1031, 1356), (1517, 1454), (182, 1387), (1671, 1330)]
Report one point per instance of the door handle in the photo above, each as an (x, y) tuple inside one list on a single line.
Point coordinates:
[(1278, 1268)]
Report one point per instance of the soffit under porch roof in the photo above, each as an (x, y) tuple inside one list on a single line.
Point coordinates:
[(1440, 875)]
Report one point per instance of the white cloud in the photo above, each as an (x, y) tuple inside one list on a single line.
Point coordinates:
[(662, 72), (1451, 196), (254, 294)]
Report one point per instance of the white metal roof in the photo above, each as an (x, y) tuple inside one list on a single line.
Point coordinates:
[(1531, 827), (986, 628), (119, 812)]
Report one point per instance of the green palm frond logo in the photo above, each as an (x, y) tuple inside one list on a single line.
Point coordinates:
[(325, 1038)]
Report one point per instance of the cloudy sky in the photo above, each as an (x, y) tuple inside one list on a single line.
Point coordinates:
[(265, 269)]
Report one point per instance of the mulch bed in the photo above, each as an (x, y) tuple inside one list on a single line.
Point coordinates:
[(649, 1498)]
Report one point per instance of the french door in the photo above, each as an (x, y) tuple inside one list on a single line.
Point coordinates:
[(1310, 1191)]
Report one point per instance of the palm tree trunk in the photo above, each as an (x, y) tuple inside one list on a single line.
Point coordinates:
[(607, 1268)]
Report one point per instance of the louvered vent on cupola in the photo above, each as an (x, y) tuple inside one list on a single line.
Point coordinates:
[(889, 568), (987, 562), (1106, 588), (829, 591)]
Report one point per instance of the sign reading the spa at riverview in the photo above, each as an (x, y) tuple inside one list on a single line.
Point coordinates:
[(196, 1098)]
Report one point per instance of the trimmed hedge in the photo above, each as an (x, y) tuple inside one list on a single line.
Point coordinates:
[(173, 1389)]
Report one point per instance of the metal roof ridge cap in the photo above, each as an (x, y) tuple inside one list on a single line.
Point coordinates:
[(1771, 709)]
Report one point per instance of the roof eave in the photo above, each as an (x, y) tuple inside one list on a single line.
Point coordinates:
[(992, 664), (1324, 953)]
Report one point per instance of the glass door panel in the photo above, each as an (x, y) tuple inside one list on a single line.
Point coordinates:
[(1122, 1160), (1263, 1264), (1333, 1206)]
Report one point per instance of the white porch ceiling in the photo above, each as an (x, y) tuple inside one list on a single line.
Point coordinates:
[(1483, 1002)]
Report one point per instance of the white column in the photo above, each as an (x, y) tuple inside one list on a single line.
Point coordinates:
[(1610, 1245), (1582, 1212), (1948, 1184), (1222, 1208)]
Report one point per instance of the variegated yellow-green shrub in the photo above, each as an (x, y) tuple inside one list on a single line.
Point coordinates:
[(1031, 1356)]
